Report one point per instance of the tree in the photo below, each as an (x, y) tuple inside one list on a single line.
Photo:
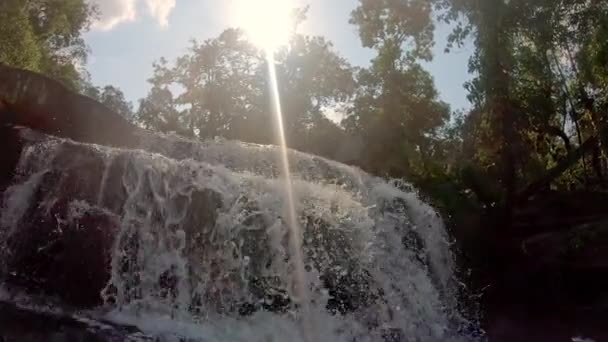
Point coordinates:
[(536, 104), (217, 84), (113, 98), (158, 111), (396, 109), (313, 79), (538, 95), (396, 27), (45, 36), (18, 43), (221, 88)]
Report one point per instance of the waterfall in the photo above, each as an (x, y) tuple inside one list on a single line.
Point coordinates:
[(187, 240)]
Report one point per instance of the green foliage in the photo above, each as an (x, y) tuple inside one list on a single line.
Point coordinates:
[(220, 88), (397, 25), (158, 111), (539, 93), (313, 79), (113, 98), (396, 109), (18, 43), (45, 36)]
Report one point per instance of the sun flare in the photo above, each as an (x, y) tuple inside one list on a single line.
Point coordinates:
[(267, 23)]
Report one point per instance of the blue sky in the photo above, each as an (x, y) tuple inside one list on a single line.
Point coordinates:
[(132, 34)]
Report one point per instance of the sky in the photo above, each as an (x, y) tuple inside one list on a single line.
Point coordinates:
[(131, 34)]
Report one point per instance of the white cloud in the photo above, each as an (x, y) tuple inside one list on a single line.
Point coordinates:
[(116, 12), (161, 9)]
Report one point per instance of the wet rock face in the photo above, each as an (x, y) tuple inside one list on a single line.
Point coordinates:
[(64, 252), (33, 100), (85, 203), (21, 325), (11, 145), (61, 243), (349, 286), (60, 221), (136, 231)]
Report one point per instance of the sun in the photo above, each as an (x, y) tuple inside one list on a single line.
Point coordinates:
[(267, 23)]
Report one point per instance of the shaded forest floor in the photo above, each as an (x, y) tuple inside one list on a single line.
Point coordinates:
[(543, 276)]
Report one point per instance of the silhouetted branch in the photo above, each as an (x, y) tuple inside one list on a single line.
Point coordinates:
[(558, 170)]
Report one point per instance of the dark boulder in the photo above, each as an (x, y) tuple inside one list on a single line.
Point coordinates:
[(11, 145), (64, 252), (62, 239), (57, 240), (22, 325), (32, 100), (547, 275)]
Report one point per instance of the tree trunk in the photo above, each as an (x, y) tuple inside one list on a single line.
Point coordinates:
[(495, 40)]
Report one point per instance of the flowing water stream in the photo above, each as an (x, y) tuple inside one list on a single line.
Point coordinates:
[(200, 248)]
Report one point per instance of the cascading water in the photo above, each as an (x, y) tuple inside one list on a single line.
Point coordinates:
[(197, 243)]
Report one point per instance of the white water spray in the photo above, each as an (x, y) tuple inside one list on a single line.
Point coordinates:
[(201, 250)]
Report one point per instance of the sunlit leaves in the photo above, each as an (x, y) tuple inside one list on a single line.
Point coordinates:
[(45, 36), (404, 24), (220, 88)]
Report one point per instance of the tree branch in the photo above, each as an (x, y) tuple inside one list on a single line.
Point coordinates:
[(556, 132), (558, 170)]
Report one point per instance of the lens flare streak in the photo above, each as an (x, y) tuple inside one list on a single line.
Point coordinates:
[(301, 290)]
